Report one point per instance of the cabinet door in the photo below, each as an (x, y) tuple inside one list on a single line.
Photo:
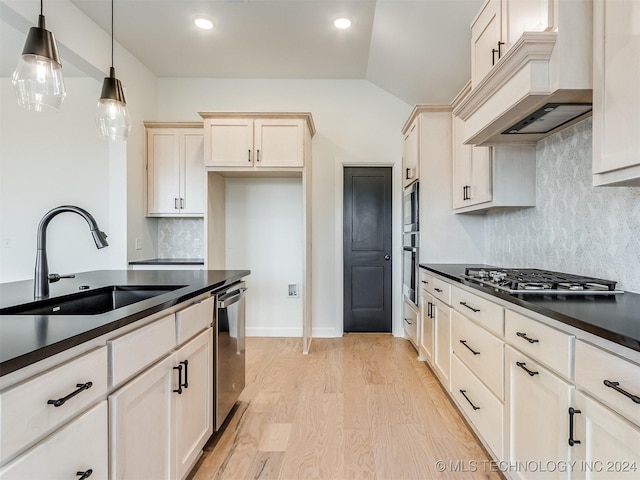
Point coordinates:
[(521, 16), (616, 92), (538, 403), (428, 327), (80, 446), (140, 425), (486, 32), (163, 171), (229, 142), (443, 341), (193, 175), (193, 408), (461, 165), (279, 143), (410, 159), (481, 175), (609, 446)]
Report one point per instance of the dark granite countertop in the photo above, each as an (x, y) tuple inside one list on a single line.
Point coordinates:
[(169, 261), (26, 339), (612, 317)]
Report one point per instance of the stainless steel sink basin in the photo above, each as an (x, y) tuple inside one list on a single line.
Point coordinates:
[(91, 302)]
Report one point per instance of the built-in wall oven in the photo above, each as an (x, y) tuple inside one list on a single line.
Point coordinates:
[(229, 361), (410, 208), (410, 261), (410, 243)]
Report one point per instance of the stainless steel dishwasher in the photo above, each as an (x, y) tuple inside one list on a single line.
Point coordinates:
[(229, 361)]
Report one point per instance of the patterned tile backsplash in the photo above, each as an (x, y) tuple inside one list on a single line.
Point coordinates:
[(181, 238), (575, 227)]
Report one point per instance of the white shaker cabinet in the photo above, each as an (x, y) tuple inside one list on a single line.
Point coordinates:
[(175, 169), (499, 24), (140, 424), (603, 444), (193, 407), (486, 178), (616, 92), (253, 143), (472, 170), (537, 423), (79, 449), (410, 154)]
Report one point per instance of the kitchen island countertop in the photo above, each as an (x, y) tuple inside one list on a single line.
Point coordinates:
[(26, 339), (613, 317)]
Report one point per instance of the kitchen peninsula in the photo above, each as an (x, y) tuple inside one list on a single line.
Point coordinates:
[(106, 387)]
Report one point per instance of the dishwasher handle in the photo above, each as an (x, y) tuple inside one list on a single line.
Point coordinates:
[(227, 301)]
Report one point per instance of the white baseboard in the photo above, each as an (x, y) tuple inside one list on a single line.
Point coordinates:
[(274, 331), (325, 332)]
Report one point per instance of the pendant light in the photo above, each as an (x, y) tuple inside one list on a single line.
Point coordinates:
[(38, 78), (112, 117)]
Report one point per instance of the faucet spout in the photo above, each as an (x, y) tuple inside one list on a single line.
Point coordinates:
[(41, 279)]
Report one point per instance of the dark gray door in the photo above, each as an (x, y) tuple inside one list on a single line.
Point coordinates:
[(367, 249)]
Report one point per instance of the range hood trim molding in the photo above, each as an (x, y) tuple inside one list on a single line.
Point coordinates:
[(531, 47)]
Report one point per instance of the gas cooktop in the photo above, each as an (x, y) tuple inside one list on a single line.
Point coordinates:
[(534, 281)]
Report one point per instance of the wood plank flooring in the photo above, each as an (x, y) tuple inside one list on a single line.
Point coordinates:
[(357, 407)]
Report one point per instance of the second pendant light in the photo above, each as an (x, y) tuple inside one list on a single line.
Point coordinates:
[(112, 117)]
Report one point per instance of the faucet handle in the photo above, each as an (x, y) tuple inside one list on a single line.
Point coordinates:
[(54, 277)]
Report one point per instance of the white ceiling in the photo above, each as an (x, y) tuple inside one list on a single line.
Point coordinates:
[(418, 50)]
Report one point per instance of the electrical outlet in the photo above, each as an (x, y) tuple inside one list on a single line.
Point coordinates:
[(293, 290), (138, 244)]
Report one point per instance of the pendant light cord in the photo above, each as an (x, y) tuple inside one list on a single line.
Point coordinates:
[(111, 33), (41, 6)]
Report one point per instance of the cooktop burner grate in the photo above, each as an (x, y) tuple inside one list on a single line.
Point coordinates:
[(531, 280)]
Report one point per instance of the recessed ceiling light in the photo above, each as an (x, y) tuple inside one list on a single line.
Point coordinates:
[(203, 23), (342, 23)]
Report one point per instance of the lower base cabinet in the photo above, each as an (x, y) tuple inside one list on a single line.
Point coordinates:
[(442, 360), (163, 417), (80, 446), (538, 402), (603, 444)]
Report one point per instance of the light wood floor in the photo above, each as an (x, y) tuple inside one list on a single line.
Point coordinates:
[(356, 407)]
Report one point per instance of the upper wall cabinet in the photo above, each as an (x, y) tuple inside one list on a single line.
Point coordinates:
[(616, 92), (410, 156), (526, 54), (175, 172), (255, 141), (487, 178), (499, 25)]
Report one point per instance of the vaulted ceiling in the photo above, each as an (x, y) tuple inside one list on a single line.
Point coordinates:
[(418, 50)]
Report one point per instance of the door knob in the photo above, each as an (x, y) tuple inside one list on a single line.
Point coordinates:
[(387, 257)]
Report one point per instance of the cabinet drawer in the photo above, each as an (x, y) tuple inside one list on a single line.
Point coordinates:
[(440, 289), (136, 350), (25, 411), (482, 408), (194, 319), (410, 323), (479, 350), (426, 280), (486, 313), (541, 342), (595, 366), (80, 446)]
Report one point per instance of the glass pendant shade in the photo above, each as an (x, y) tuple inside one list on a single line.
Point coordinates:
[(112, 117), (38, 78)]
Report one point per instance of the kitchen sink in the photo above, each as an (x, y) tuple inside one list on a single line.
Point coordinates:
[(91, 302)]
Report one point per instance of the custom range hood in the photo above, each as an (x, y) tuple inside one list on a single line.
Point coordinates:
[(541, 85)]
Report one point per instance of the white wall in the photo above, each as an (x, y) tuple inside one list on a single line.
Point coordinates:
[(357, 124), (87, 47), (41, 168), (264, 234)]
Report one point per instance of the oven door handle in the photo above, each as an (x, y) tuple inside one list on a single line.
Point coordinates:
[(410, 249)]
